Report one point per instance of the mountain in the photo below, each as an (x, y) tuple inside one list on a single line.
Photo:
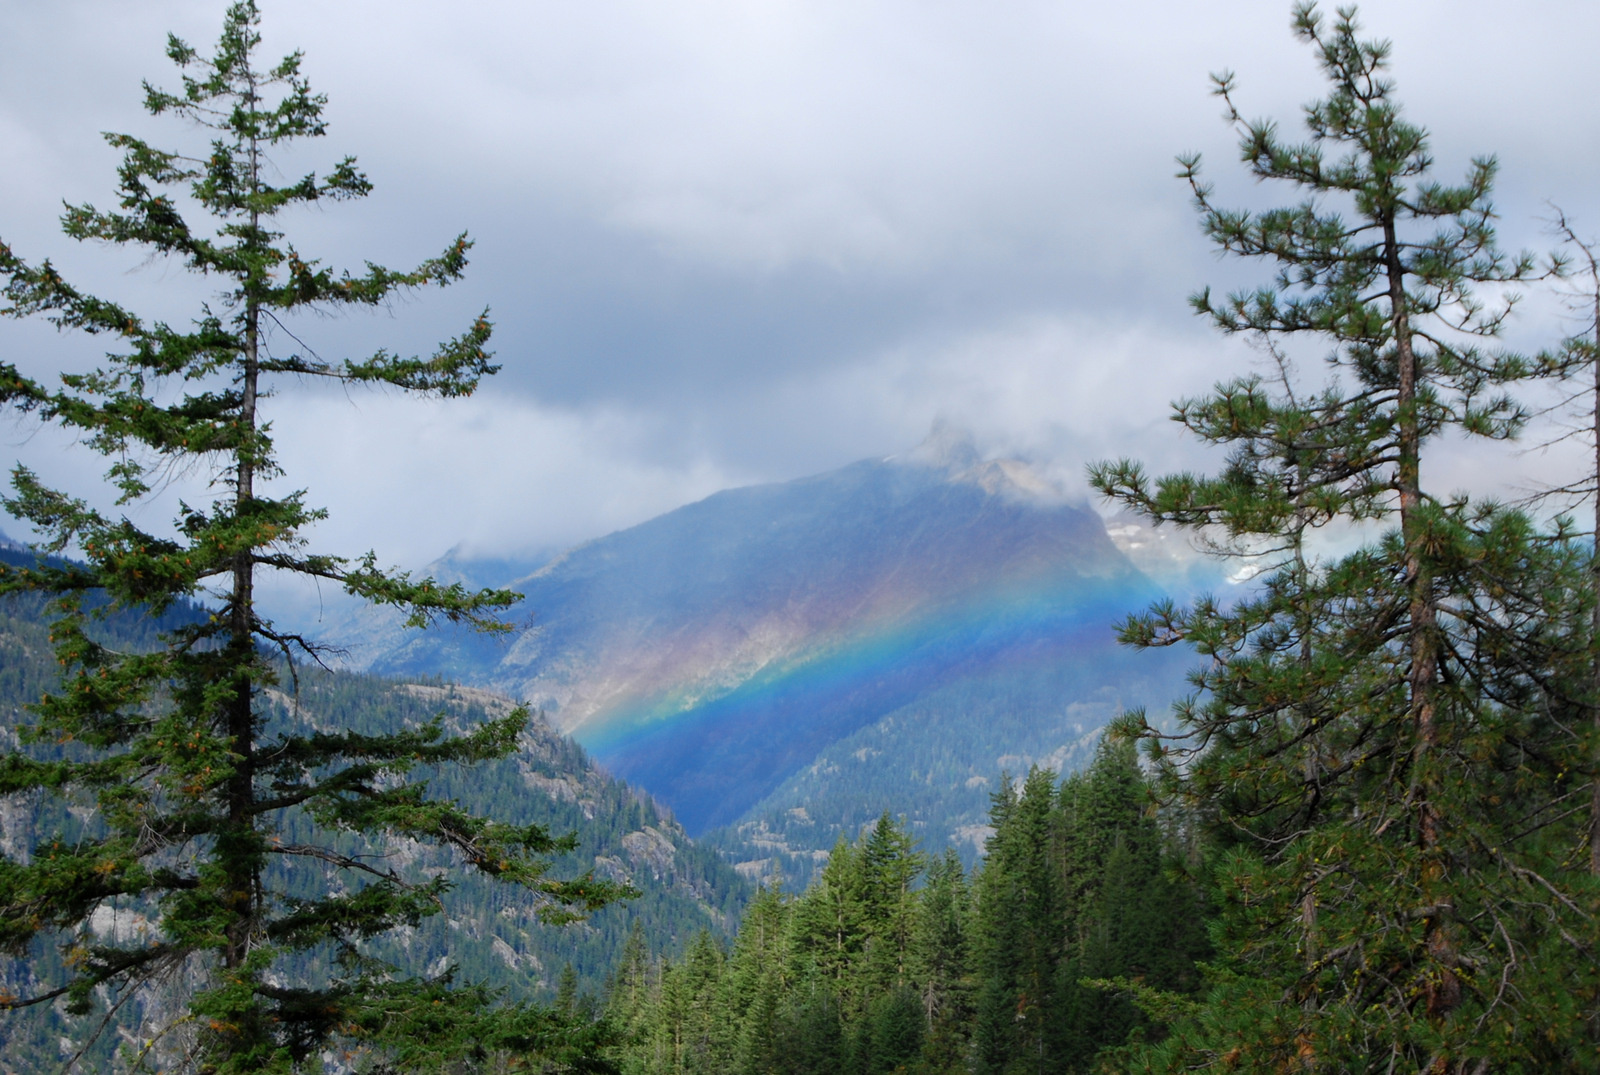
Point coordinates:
[(781, 662), (491, 932)]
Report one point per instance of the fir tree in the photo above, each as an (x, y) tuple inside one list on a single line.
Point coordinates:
[(829, 923), (993, 987), (889, 866), (567, 991), (1018, 928), (710, 1035), (1382, 743), (1126, 918), (810, 1037), (895, 1031), (757, 976), (193, 783), (629, 996), (941, 960)]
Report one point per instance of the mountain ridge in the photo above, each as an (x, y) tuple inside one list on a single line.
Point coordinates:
[(714, 653)]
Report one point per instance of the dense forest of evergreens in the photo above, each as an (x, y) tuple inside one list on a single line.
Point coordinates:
[(894, 960)]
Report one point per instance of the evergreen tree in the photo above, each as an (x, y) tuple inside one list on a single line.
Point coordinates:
[(1018, 929), (757, 1049), (567, 991), (1579, 355), (1381, 746), (894, 1036), (193, 779), (1102, 808), (994, 970), (829, 924), (941, 961), (757, 977), (890, 864), (1126, 918), (630, 995), (689, 1030), (810, 1036)]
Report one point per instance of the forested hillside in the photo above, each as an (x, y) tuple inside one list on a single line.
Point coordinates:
[(490, 933), (894, 960)]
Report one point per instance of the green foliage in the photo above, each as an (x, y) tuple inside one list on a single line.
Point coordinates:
[(1576, 356), (1382, 749), (1018, 924), (492, 934), (941, 779), (206, 797), (889, 962)]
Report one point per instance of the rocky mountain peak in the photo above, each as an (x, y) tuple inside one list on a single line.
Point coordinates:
[(954, 450), (947, 447)]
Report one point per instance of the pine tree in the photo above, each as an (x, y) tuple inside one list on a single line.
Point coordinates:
[(1579, 357), (1382, 743), (198, 792)]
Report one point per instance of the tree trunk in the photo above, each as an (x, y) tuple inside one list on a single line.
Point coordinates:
[(1594, 552), (1443, 990)]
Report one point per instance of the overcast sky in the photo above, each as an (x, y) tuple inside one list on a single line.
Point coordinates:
[(730, 242)]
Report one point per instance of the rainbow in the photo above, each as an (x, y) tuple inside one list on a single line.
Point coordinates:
[(713, 758)]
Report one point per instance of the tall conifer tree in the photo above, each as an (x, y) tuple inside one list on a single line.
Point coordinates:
[(890, 864), (1017, 928), (1579, 358), (941, 957), (193, 784), (1382, 744)]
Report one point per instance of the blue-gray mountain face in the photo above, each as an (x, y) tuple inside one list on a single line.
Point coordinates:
[(780, 663)]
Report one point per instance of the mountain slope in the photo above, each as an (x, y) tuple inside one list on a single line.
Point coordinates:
[(490, 931), (717, 654)]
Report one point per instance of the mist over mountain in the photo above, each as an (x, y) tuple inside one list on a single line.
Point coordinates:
[(779, 663)]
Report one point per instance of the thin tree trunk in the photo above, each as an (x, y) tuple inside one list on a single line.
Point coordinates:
[(1443, 992), (241, 721), (1308, 902), (237, 841), (1594, 554)]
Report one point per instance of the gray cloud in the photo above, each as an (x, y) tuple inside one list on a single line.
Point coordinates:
[(732, 242)]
